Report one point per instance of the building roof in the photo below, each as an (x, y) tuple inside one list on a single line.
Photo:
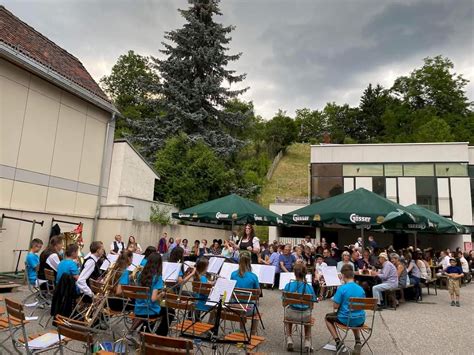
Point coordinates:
[(25, 39)]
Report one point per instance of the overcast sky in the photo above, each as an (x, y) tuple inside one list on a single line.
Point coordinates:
[(296, 53)]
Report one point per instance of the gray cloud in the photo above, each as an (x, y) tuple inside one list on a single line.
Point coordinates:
[(296, 53)]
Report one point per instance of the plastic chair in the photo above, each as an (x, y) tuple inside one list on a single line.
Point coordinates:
[(366, 330)]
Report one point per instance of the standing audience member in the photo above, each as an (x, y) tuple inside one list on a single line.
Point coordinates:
[(32, 261), (162, 246), (117, 245), (343, 314), (249, 243), (389, 278), (454, 274), (171, 244)]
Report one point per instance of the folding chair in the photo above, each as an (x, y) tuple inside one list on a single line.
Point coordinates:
[(139, 293), (366, 330), (182, 305), (241, 295), (37, 299), (50, 277), (17, 323), (158, 345), (78, 331), (291, 298)]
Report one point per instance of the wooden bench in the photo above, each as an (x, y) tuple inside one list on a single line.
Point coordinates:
[(432, 282)]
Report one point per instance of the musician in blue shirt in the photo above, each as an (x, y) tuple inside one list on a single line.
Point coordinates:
[(32, 261)]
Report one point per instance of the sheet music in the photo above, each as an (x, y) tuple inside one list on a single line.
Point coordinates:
[(137, 259), (105, 265), (265, 273), (188, 264), (227, 270), (215, 265), (330, 276), (221, 287), (44, 341), (286, 277), (171, 271)]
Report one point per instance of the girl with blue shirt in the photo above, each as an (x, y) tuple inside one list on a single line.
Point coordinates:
[(200, 276), (68, 266), (121, 276), (244, 276), (148, 251), (151, 277)]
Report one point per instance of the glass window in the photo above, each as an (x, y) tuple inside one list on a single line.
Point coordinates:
[(451, 169), (426, 193), (362, 169), (471, 170), (324, 187), (327, 169), (393, 170), (418, 170), (378, 185)]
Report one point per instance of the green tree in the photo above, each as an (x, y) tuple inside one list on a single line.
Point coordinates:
[(190, 173), (373, 103), (129, 86), (279, 132), (341, 122), (435, 130), (195, 84), (311, 125)]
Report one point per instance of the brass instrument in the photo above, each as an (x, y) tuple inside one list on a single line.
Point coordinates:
[(135, 273)]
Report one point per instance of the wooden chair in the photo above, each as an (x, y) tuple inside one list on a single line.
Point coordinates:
[(302, 299), (182, 305), (18, 333), (75, 330), (241, 295), (50, 277), (158, 345), (140, 293), (366, 330)]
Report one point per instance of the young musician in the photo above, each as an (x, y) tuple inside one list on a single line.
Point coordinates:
[(68, 265), (90, 268), (121, 276), (200, 276), (49, 258), (33, 261), (299, 312), (148, 251), (151, 277), (177, 256), (117, 245), (244, 276)]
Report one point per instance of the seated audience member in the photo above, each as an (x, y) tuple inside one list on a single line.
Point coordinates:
[(443, 262), (274, 260), (186, 248), (203, 249), (365, 262), (355, 257), (50, 258), (68, 265), (286, 259), (346, 260), (148, 251), (90, 269), (227, 250), (299, 312), (389, 278), (117, 245), (318, 278), (463, 262), (414, 274), (133, 245), (308, 256), (195, 251), (343, 314), (298, 253), (215, 248), (401, 270), (328, 258), (151, 277), (32, 261), (121, 276)]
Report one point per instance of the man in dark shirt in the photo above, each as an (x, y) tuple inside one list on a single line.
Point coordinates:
[(328, 259), (454, 274)]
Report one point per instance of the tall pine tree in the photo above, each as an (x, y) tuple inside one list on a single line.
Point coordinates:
[(195, 84)]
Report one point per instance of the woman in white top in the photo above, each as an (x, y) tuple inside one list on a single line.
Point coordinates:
[(425, 270), (133, 245)]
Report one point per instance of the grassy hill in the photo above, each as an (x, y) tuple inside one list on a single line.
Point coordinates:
[(290, 178)]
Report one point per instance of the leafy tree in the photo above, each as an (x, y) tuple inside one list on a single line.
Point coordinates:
[(373, 103), (342, 122), (195, 84), (129, 87), (435, 130), (311, 124), (190, 172), (280, 132)]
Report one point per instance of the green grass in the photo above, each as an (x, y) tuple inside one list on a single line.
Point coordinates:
[(290, 179)]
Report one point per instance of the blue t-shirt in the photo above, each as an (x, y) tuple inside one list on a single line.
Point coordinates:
[(249, 280), (302, 288), (32, 261), (454, 270), (68, 267), (342, 296), (201, 303), (288, 261), (143, 262), (144, 307), (124, 278)]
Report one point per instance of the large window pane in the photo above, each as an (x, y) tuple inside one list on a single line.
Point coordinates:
[(426, 193), (324, 187), (418, 170), (451, 169), (393, 170), (362, 169), (378, 185), (471, 171), (327, 170)]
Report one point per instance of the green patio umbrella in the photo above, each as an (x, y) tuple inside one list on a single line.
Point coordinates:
[(231, 209), (356, 208), (441, 225)]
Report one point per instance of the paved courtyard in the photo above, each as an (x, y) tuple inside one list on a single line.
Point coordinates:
[(429, 327)]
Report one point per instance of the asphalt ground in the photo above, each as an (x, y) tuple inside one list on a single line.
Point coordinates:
[(432, 326)]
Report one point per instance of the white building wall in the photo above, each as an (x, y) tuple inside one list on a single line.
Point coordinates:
[(365, 182), (461, 197), (281, 208)]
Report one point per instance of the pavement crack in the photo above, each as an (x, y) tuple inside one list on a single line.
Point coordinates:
[(390, 334)]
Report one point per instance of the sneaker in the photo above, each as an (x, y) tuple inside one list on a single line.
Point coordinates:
[(453, 303), (289, 344), (458, 304), (341, 348), (357, 348), (307, 346)]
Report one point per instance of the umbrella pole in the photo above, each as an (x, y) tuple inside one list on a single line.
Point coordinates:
[(362, 236), (415, 240)]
